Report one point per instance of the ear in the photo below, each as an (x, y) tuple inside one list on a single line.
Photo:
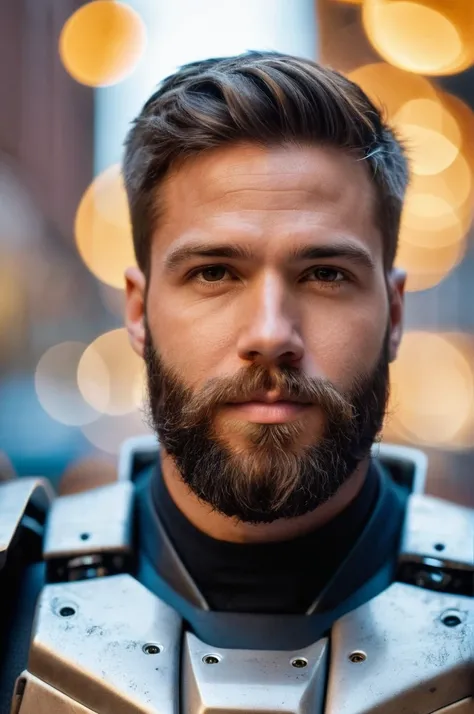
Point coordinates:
[(396, 285), (135, 308)]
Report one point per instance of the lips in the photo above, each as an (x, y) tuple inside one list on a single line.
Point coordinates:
[(269, 398), (265, 409)]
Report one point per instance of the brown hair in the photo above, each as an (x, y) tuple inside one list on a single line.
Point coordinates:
[(266, 98)]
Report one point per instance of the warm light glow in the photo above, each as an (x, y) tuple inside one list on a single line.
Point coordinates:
[(427, 266), (102, 43), (57, 388), (109, 432), (433, 37), (110, 375), (102, 228), (430, 134), (464, 117), (451, 188), (433, 391), (391, 88)]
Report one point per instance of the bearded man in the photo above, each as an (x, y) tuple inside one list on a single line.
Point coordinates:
[(263, 558)]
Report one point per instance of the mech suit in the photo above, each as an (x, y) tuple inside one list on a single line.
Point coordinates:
[(120, 627)]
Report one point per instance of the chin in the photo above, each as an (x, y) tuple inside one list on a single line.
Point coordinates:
[(243, 437)]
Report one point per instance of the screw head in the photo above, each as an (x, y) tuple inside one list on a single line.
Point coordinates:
[(439, 546), (451, 618), (67, 611), (85, 536), (357, 657), (151, 649), (299, 662), (210, 659)]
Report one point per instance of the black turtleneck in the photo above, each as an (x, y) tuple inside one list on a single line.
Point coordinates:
[(281, 577)]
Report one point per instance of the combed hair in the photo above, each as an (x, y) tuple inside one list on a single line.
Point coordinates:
[(267, 98)]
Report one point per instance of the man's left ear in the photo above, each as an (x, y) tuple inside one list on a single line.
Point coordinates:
[(396, 285)]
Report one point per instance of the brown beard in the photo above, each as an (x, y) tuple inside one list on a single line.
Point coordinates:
[(275, 477)]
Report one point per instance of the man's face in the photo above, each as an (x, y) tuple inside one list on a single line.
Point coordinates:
[(269, 326)]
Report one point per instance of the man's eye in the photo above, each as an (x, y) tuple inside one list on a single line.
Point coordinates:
[(327, 275), (211, 274)]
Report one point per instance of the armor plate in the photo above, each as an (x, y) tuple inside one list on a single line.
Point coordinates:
[(108, 645)]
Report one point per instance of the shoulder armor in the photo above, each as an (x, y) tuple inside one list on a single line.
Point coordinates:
[(18, 499), (81, 543)]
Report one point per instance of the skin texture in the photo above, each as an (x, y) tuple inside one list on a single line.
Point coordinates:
[(327, 316)]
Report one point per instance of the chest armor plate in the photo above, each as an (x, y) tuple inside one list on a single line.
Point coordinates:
[(108, 645)]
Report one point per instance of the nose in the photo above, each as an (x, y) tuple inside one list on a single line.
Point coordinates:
[(270, 335)]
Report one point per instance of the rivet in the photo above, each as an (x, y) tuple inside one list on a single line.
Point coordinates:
[(210, 659), (67, 611), (299, 662)]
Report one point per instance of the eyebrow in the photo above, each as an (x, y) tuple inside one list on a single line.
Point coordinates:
[(347, 250)]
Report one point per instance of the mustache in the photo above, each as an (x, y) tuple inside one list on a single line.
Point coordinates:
[(290, 382)]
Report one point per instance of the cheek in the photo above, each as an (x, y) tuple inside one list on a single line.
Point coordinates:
[(194, 341), (343, 344)]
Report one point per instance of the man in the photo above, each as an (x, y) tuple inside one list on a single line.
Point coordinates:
[(265, 196)]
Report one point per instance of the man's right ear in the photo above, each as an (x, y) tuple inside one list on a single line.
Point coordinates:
[(135, 291)]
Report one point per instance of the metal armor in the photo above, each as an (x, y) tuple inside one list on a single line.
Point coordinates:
[(103, 643)]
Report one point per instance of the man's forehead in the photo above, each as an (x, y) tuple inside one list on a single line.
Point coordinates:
[(296, 185), (310, 169)]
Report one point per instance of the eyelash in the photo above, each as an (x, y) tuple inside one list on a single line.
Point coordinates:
[(330, 284)]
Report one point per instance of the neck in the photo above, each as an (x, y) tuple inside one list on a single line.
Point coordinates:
[(232, 530)]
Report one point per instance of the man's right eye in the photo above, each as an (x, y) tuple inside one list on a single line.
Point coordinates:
[(211, 274)]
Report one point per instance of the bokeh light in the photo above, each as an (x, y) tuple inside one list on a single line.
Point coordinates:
[(432, 37), (57, 388), (428, 266), (432, 399), (430, 134), (86, 473), (436, 130), (390, 88), (102, 228), (111, 376), (464, 117), (102, 43), (108, 433)]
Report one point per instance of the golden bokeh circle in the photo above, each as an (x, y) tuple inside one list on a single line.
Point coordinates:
[(390, 88), (428, 266), (102, 228), (108, 433), (110, 375), (56, 385), (102, 42), (432, 391), (430, 134), (430, 37)]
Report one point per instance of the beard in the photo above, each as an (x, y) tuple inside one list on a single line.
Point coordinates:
[(274, 476)]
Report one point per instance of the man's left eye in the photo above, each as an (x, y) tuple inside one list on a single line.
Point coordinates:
[(327, 275)]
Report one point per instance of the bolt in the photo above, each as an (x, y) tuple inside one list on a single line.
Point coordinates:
[(451, 618), (210, 659), (67, 611), (299, 662), (151, 649)]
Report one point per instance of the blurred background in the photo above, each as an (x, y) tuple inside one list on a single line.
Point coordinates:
[(72, 77)]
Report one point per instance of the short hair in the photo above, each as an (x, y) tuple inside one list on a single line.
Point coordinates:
[(267, 98)]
